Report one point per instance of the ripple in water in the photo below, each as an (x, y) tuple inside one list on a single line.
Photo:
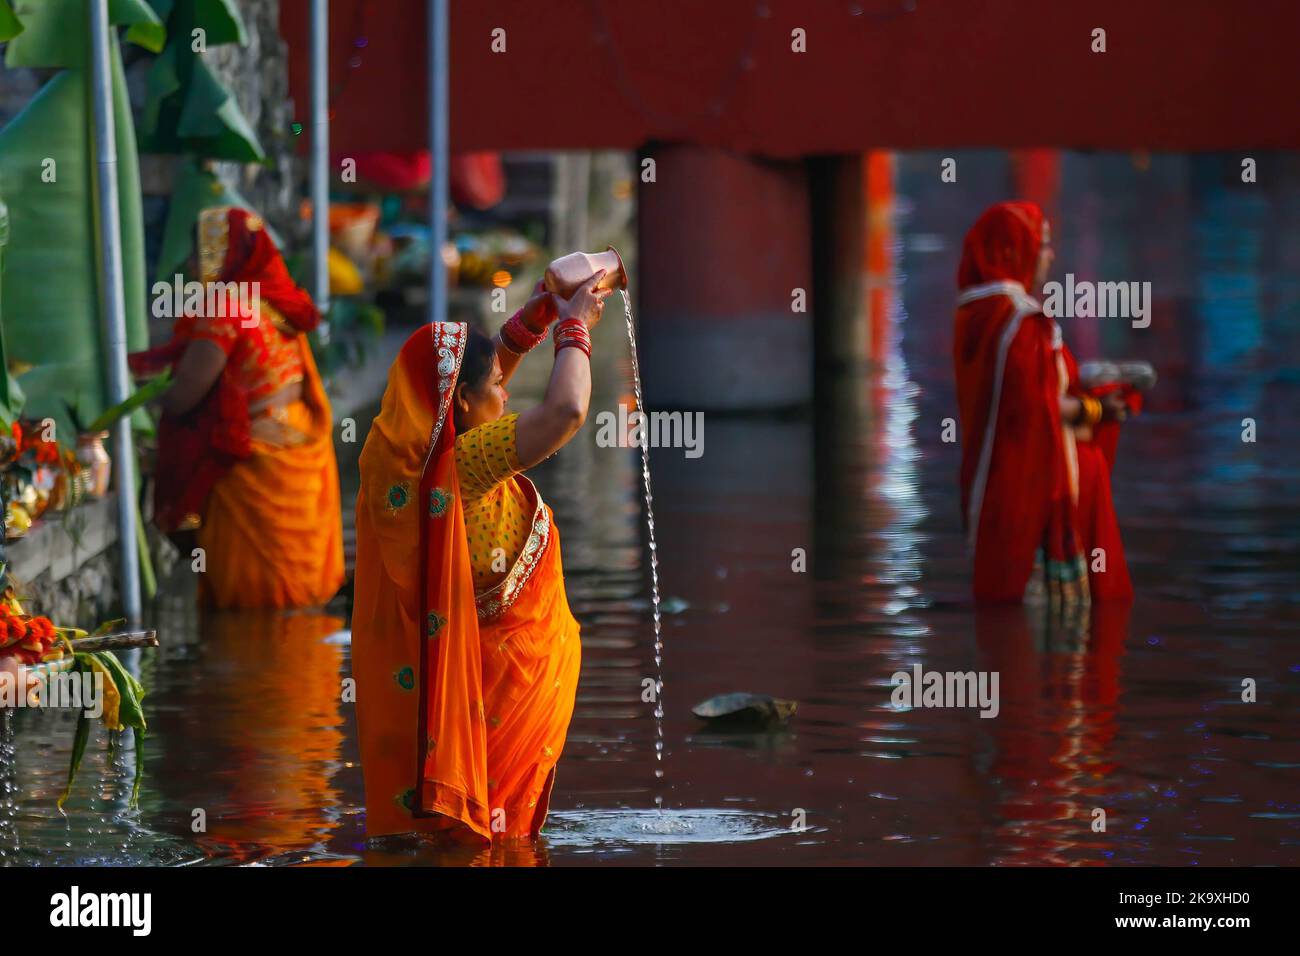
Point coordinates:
[(604, 827)]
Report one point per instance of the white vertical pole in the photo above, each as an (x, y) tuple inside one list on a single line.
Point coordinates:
[(114, 300), (320, 137), (439, 150)]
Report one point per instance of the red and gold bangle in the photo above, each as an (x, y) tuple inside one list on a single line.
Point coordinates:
[(517, 337), (572, 332), (1092, 410)]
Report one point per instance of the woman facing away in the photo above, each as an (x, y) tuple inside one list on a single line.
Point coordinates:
[(464, 650), (1037, 447), (246, 467)]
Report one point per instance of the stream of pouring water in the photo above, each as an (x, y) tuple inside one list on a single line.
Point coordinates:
[(654, 554)]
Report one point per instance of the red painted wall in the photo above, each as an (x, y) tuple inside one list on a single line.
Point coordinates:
[(1177, 74)]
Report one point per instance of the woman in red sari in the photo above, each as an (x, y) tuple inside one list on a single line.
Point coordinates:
[(464, 650), (1035, 480), (246, 466)]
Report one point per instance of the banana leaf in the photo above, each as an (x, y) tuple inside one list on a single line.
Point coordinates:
[(130, 713), (220, 18), (188, 110), (52, 319), (11, 393), (10, 25), (130, 689), (148, 579), (79, 741), (138, 399), (55, 33)]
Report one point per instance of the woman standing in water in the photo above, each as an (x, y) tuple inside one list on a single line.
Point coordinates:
[(1035, 483), (246, 467), (465, 652)]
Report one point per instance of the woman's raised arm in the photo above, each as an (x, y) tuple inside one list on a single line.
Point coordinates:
[(536, 316), (542, 431)]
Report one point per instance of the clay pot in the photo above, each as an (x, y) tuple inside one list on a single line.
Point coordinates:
[(565, 275), (94, 459)]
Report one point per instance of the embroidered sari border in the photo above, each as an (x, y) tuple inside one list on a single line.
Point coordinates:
[(502, 595)]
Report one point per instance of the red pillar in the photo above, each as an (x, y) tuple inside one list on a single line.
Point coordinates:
[(880, 265), (1036, 176), (724, 243)]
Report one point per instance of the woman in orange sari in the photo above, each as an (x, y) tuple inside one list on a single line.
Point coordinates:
[(246, 466), (464, 650), (1035, 486)]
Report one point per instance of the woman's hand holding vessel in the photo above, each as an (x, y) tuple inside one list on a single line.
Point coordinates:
[(587, 303)]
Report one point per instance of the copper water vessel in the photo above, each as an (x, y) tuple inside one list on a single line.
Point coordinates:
[(95, 463), (566, 274)]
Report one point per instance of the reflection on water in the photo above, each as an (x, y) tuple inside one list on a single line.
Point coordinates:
[(1137, 714), (260, 722)]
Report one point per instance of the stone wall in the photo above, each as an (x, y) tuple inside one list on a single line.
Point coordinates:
[(66, 565)]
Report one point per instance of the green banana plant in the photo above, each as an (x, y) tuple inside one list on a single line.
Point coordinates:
[(10, 25), (189, 111), (11, 393), (52, 321)]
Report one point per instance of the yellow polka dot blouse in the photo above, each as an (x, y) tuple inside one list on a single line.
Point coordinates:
[(498, 515)]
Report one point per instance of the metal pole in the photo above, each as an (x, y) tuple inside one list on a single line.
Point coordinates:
[(320, 145), (439, 152), (114, 301)]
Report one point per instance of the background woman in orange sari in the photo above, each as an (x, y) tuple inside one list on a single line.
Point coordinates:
[(245, 451), (465, 653), (1035, 489)]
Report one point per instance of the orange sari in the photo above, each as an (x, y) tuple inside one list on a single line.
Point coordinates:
[(272, 532), (463, 699), (261, 490)]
